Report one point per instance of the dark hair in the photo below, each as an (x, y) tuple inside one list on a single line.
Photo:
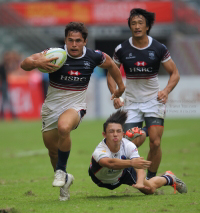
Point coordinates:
[(118, 117), (150, 17), (76, 27)]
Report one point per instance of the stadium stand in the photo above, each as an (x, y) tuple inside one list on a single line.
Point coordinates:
[(17, 34)]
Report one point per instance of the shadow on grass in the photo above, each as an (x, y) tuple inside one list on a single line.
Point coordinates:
[(114, 197)]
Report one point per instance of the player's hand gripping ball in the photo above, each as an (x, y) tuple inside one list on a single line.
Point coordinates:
[(52, 53)]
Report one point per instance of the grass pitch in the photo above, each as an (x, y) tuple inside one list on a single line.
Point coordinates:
[(26, 174)]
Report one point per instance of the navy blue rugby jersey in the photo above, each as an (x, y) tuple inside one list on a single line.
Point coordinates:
[(75, 74), (141, 63)]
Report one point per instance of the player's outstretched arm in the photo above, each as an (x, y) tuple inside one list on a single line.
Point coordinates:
[(114, 163), (171, 68), (140, 163), (140, 183), (116, 75), (38, 60)]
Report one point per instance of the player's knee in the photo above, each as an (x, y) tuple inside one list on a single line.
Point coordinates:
[(63, 129), (155, 144)]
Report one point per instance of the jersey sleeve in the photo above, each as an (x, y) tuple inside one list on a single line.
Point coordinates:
[(132, 151), (100, 153), (116, 55), (165, 54), (99, 57)]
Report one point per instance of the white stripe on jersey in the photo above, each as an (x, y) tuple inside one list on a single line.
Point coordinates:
[(118, 47)]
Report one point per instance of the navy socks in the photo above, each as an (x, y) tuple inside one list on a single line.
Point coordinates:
[(62, 160), (169, 180), (150, 174)]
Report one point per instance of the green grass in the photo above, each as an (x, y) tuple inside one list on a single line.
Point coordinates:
[(26, 174)]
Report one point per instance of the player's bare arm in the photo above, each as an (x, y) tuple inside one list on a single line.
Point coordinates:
[(140, 181), (111, 83), (38, 60), (140, 163), (116, 75), (171, 68), (112, 87), (114, 163)]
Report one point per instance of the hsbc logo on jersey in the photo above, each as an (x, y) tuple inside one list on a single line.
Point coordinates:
[(74, 76), (140, 67), (75, 73), (140, 63)]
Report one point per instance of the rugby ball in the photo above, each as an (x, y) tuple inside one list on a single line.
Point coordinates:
[(55, 52)]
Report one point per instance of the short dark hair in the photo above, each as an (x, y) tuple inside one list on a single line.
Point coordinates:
[(149, 16), (118, 117), (76, 27)]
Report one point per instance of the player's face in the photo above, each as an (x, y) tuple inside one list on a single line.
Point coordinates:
[(113, 134), (138, 26), (75, 43)]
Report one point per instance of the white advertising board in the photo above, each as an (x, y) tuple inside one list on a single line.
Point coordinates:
[(183, 101)]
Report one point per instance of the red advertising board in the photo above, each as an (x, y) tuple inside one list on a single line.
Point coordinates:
[(26, 98), (102, 13)]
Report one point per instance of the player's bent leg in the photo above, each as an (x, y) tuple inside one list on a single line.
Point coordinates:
[(168, 179), (50, 139), (137, 139), (135, 135), (154, 183)]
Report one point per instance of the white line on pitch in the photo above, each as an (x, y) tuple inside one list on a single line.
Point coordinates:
[(31, 153)]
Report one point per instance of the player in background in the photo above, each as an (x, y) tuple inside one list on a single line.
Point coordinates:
[(65, 104), (116, 161), (141, 56)]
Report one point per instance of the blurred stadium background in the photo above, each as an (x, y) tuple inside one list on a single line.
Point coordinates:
[(30, 26)]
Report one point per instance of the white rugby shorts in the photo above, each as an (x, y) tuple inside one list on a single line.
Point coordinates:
[(50, 117), (138, 111)]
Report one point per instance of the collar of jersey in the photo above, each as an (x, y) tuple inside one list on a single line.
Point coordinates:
[(84, 52), (150, 42)]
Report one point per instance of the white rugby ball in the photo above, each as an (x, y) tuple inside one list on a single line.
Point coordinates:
[(55, 52), (121, 99)]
